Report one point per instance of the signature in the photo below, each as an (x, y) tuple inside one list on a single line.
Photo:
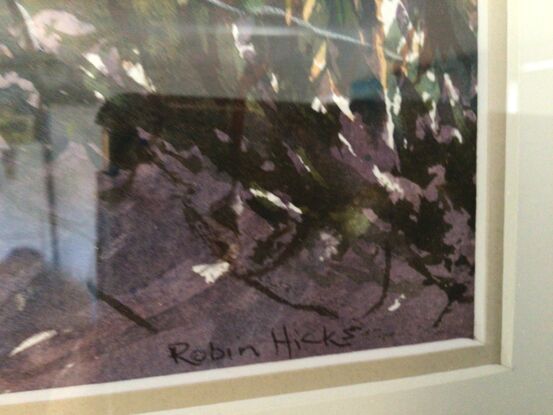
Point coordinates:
[(285, 341)]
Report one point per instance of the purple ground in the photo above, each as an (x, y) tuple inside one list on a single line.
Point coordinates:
[(145, 259)]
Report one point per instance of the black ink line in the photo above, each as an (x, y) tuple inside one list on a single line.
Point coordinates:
[(446, 310), (121, 308), (194, 218), (319, 309), (386, 280)]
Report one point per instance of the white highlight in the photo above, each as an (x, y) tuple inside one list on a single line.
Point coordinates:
[(275, 200), (211, 272), (33, 341)]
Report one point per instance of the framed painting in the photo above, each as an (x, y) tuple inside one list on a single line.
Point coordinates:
[(205, 201)]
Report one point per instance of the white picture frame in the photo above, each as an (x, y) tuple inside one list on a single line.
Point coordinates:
[(454, 376)]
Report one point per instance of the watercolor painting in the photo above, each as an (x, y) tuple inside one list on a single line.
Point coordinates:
[(197, 184)]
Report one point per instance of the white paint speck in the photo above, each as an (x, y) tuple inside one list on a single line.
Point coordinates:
[(386, 181), (274, 82), (95, 149), (303, 163), (317, 105), (390, 127), (431, 76), (343, 103), (418, 42), (396, 105), (238, 204), (275, 200), (268, 165), (245, 49), (97, 62), (451, 90), (330, 243), (433, 120), (294, 208), (211, 272), (345, 142), (389, 12), (87, 72), (457, 134), (397, 303), (99, 96), (224, 137), (33, 341), (20, 302), (136, 72)]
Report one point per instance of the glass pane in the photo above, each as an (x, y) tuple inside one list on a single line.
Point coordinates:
[(197, 184)]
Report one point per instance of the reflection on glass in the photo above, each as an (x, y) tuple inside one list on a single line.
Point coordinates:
[(195, 184)]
